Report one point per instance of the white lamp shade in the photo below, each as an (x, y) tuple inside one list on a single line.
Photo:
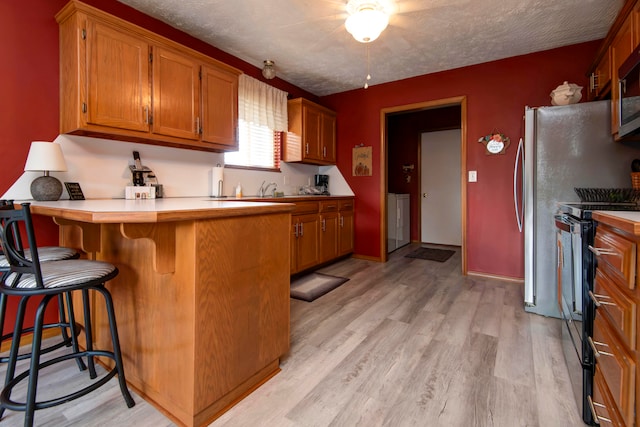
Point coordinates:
[(45, 156)]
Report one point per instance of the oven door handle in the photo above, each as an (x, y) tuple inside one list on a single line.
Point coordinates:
[(564, 223)]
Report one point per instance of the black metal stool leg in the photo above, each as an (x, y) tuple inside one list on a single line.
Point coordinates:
[(35, 362), (88, 333), (72, 330), (3, 311), (15, 345), (115, 340)]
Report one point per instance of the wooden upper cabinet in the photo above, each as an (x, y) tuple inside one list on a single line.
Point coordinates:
[(328, 147), (116, 96), (600, 78), (621, 48), (176, 94), (312, 133), (219, 107), (312, 122), (120, 81)]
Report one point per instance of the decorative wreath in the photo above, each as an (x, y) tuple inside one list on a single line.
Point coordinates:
[(495, 143)]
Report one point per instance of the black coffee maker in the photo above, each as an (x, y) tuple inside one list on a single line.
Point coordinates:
[(322, 181)]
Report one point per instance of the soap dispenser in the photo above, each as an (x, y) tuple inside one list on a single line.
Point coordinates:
[(238, 191)]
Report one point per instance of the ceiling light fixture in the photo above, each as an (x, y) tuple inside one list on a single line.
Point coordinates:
[(268, 71), (368, 18)]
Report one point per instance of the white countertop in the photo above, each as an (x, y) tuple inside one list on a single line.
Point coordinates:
[(624, 215), (152, 210)]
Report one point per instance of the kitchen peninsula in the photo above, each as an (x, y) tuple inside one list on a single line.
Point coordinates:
[(202, 298)]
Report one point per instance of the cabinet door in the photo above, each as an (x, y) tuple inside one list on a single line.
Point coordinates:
[(311, 133), (117, 79), (346, 232), (621, 48), (618, 368), (602, 406), (294, 245), (328, 236), (176, 94), (328, 138), (219, 107), (600, 79), (308, 248)]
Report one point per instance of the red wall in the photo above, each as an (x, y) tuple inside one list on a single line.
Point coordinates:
[(496, 94)]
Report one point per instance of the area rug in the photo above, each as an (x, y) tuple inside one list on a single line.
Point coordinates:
[(440, 255), (314, 285)]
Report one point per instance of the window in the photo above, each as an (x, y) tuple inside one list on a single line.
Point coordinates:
[(259, 147), (262, 117)]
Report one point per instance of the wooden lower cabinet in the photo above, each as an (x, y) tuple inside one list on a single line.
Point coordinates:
[(345, 230), (321, 232), (615, 329), (304, 245), (202, 306), (617, 365), (328, 236)]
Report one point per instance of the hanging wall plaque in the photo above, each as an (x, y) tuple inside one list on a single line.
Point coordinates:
[(495, 143)]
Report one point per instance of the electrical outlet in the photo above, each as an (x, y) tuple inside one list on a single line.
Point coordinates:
[(285, 180), (473, 176)]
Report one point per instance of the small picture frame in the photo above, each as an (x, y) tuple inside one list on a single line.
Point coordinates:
[(74, 190)]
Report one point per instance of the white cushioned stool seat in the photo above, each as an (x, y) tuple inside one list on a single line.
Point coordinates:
[(64, 273), (45, 253)]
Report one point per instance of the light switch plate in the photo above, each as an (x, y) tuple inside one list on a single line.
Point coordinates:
[(473, 176)]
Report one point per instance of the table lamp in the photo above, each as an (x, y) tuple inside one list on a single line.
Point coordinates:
[(45, 156)]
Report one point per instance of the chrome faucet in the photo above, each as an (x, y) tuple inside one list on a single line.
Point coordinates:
[(263, 190)]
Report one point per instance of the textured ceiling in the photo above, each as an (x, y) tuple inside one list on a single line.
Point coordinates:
[(312, 49)]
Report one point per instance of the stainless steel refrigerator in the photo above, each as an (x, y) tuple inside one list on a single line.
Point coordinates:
[(564, 147)]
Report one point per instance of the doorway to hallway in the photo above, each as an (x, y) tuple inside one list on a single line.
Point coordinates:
[(401, 165)]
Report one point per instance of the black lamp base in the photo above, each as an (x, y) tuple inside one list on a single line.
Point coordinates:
[(46, 188)]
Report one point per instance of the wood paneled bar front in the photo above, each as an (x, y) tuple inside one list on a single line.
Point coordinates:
[(202, 298)]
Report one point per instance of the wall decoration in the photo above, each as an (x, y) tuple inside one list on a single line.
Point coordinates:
[(495, 143), (362, 161)]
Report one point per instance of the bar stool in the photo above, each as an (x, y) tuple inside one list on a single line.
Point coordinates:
[(46, 253), (30, 277)]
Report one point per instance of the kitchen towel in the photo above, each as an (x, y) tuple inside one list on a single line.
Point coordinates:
[(217, 178)]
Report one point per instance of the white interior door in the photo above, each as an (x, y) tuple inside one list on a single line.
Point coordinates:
[(440, 185)]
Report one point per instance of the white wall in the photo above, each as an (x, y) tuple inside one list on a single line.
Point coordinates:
[(101, 166)]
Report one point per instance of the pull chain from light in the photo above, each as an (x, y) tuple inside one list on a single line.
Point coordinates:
[(366, 83)]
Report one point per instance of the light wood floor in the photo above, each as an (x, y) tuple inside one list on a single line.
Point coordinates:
[(405, 343)]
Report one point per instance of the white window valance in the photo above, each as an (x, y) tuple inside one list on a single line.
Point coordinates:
[(261, 104)]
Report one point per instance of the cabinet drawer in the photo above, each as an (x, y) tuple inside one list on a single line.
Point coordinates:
[(331, 206), (305, 207), (618, 252), (619, 309), (602, 403), (617, 367), (346, 205)]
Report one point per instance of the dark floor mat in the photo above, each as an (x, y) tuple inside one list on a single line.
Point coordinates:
[(314, 285), (440, 255)]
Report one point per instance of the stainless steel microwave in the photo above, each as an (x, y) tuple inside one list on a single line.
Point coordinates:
[(629, 91)]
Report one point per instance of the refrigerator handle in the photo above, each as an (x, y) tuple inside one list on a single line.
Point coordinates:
[(518, 207)]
